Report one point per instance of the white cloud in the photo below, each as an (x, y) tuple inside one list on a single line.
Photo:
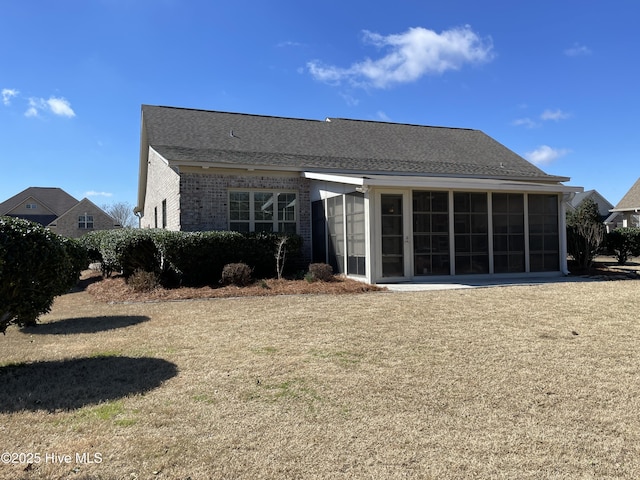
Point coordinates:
[(544, 154), (8, 94), (410, 56), (57, 106), (93, 193), (526, 122), (35, 105), (554, 115), (349, 99), (288, 43), (577, 50), (383, 116), (61, 107)]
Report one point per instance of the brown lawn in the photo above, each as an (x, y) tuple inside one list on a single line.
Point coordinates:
[(507, 382)]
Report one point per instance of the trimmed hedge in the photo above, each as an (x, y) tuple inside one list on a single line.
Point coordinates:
[(624, 243), (36, 265), (186, 258)]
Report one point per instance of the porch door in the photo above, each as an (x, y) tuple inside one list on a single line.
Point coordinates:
[(395, 235)]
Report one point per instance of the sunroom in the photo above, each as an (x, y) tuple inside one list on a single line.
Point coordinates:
[(395, 228)]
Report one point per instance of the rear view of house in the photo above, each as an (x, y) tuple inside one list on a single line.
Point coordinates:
[(60, 212), (378, 201)]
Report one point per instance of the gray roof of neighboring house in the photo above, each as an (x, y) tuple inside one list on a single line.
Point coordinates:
[(604, 205), (336, 145), (55, 199), (631, 200)]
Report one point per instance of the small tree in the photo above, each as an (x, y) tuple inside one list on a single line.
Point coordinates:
[(281, 254), (122, 213), (624, 243), (585, 233), (35, 266)]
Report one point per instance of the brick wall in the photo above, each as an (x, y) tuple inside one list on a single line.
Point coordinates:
[(67, 224), (163, 184), (204, 198)]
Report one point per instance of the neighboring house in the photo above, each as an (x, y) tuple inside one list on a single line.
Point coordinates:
[(603, 204), (627, 212), (56, 209), (379, 201)]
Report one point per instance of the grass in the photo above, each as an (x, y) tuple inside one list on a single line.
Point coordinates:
[(509, 382)]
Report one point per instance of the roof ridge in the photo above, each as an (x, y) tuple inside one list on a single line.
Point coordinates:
[(242, 114), (386, 122)]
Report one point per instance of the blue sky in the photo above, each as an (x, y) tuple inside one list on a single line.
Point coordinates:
[(558, 82)]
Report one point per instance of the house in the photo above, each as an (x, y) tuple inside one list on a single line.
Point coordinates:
[(60, 212), (604, 206), (382, 202), (627, 212)]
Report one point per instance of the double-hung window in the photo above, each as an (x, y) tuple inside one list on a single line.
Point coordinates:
[(263, 211)]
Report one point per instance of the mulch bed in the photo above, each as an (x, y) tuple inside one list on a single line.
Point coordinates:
[(116, 289)]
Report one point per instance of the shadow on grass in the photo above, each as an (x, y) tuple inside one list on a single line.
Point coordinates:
[(74, 383), (84, 282), (84, 325)]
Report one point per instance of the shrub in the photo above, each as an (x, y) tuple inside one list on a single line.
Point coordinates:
[(624, 243), (143, 281), (238, 274), (585, 233), (187, 258), (36, 265), (320, 271)]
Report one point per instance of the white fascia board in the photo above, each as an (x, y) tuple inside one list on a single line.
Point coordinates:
[(630, 209), (446, 183), (329, 177)]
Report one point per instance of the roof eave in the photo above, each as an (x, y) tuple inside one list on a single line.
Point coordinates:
[(550, 179)]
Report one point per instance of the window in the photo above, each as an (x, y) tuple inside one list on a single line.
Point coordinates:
[(471, 231), (31, 206), (356, 248), (544, 238), (431, 233), (164, 213), (263, 211), (85, 221), (155, 217), (335, 232), (508, 232)]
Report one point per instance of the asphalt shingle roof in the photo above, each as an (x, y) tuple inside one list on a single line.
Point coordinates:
[(335, 145), (55, 199), (631, 200)]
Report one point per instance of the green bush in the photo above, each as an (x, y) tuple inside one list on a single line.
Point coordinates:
[(36, 265), (624, 243), (585, 233), (186, 258), (123, 250)]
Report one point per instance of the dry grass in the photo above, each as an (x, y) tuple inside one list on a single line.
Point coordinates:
[(510, 382)]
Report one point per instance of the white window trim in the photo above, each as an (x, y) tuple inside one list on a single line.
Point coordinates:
[(252, 221)]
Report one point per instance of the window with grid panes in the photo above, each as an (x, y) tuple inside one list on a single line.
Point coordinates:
[(263, 211)]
